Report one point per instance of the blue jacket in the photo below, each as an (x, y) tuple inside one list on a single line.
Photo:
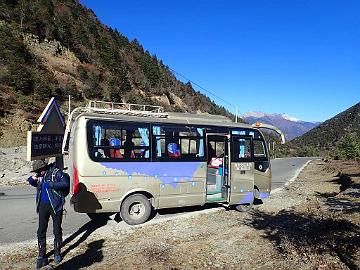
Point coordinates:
[(58, 184)]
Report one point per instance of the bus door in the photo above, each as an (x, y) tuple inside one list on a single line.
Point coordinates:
[(241, 180), (262, 170), (217, 167)]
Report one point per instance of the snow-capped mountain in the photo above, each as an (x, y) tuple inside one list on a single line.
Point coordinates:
[(291, 126)]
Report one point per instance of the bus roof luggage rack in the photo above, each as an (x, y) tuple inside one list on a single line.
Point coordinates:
[(112, 108), (127, 109), (200, 117)]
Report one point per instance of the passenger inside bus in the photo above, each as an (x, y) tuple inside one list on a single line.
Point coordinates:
[(103, 152), (115, 153), (173, 150), (129, 145), (211, 152), (142, 151)]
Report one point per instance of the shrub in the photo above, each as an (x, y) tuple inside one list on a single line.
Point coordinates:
[(83, 74), (20, 78), (115, 95), (94, 92), (70, 88), (26, 103), (349, 146)]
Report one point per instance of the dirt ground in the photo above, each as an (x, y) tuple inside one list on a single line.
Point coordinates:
[(314, 223)]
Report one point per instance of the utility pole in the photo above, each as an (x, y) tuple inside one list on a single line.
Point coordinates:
[(236, 114)]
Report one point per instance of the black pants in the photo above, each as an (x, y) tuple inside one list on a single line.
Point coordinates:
[(45, 211)]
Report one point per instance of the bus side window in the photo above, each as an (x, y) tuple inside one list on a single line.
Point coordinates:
[(178, 143), (118, 141), (259, 149), (241, 149), (245, 148)]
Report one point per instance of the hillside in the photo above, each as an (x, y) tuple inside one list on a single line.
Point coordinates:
[(60, 48), (290, 126), (334, 137)]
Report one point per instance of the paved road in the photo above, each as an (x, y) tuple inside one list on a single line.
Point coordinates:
[(18, 220), (284, 169)]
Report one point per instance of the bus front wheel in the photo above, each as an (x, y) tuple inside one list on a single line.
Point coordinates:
[(243, 207), (136, 209)]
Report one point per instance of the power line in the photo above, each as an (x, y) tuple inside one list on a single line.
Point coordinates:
[(207, 91), (183, 76)]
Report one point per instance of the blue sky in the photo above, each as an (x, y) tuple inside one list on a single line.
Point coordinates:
[(296, 57)]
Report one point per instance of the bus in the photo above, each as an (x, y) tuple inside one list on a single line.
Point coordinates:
[(136, 161)]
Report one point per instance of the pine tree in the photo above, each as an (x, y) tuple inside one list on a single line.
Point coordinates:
[(349, 146)]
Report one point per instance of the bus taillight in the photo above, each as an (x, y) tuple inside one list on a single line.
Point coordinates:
[(76, 185)]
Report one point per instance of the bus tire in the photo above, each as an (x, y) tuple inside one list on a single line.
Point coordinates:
[(135, 209), (243, 207)]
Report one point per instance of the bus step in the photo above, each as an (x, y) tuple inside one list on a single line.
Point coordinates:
[(215, 199), (212, 192)]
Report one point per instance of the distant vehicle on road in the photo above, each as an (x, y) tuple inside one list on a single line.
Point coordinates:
[(131, 158)]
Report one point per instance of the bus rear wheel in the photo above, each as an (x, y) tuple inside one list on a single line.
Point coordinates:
[(136, 209)]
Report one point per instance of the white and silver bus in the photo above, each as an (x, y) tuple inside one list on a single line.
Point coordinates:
[(132, 161)]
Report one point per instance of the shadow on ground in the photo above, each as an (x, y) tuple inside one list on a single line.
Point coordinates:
[(92, 255), (294, 233), (345, 200), (344, 180), (93, 252), (341, 204), (97, 221), (186, 209)]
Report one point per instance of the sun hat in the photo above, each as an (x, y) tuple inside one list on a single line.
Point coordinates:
[(38, 164)]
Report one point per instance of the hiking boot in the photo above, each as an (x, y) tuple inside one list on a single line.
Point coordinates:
[(57, 259), (41, 262), (57, 252)]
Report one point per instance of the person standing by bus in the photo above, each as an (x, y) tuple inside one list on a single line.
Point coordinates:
[(52, 187)]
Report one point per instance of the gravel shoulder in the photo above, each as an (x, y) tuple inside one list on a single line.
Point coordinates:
[(313, 223)]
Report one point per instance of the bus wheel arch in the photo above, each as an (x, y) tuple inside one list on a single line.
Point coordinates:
[(136, 207)]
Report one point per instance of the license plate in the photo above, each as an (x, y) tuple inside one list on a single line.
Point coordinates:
[(246, 166)]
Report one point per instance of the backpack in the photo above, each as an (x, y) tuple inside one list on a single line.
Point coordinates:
[(66, 191)]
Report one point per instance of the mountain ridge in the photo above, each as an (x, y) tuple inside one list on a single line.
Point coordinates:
[(291, 126), (332, 136)]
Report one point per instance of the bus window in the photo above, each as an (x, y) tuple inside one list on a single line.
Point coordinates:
[(181, 143), (113, 141), (241, 149), (259, 149), (217, 149), (216, 152), (249, 132)]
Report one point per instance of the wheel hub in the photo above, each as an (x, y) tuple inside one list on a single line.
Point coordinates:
[(137, 210)]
